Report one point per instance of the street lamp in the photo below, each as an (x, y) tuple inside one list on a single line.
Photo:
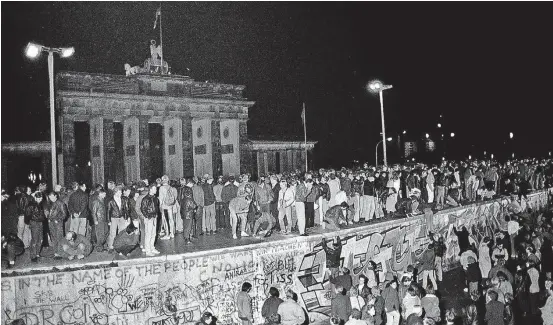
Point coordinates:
[(439, 125), (376, 151), (33, 51), (377, 86), (427, 135), (452, 134), (511, 135)]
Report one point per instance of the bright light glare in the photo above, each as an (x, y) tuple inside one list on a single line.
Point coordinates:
[(67, 52), (439, 125), (511, 135), (413, 159), (375, 86), (389, 139), (513, 155), (452, 134), (404, 131), (427, 135), (32, 50), (443, 158), (470, 157), (492, 156)]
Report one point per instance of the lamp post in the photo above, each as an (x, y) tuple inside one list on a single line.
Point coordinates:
[(376, 151), (377, 86), (33, 51)]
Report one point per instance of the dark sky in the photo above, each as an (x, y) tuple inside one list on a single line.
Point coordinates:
[(486, 67)]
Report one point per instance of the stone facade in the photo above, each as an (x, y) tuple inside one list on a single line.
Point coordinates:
[(193, 115)]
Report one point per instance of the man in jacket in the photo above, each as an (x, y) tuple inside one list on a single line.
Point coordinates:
[(219, 204), (369, 198), (239, 207), (34, 217), (275, 187), (229, 192), (187, 210), (312, 196), (290, 311), (285, 202), (427, 263), (338, 215), (263, 198), (127, 240), (143, 190), (74, 245), (78, 209), (23, 197), (100, 221), (149, 207), (168, 200), (300, 197), (208, 220), (199, 199), (117, 215), (56, 216)]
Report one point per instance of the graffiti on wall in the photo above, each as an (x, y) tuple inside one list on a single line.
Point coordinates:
[(179, 291)]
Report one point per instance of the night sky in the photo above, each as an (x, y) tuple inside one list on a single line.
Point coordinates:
[(486, 67)]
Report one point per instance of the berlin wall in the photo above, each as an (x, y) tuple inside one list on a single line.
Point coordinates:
[(177, 289)]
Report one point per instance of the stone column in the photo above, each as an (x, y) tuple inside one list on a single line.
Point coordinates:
[(230, 147), (97, 149), (290, 160), (131, 150), (201, 140), (109, 151), (144, 144), (217, 158), (283, 161), (68, 143), (244, 154), (172, 139), (187, 149), (260, 162), (303, 159)]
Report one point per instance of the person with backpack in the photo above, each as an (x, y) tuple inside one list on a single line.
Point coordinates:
[(168, 200)]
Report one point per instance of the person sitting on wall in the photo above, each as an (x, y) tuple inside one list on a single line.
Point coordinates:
[(12, 246), (337, 216), (74, 245), (127, 240)]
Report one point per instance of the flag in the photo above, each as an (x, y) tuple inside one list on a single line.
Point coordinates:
[(158, 14), (303, 114)]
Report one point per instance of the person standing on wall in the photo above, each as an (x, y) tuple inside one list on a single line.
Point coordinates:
[(229, 192), (208, 222), (34, 216), (198, 195), (300, 198), (168, 200), (57, 214), (150, 209), (117, 216), (78, 210), (219, 205)]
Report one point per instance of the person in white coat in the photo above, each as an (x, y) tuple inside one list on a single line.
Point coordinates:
[(285, 201)]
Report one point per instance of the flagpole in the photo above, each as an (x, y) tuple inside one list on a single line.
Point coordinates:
[(161, 38), (305, 134)]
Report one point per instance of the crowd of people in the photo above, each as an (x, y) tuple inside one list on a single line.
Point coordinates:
[(118, 218), (508, 275)]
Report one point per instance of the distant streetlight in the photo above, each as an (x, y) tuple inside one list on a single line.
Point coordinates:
[(33, 51), (427, 135), (443, 158), (452, 134), (376, 151), (491, 156), (404, 131), (511, 135), (513, 155), (413, 159), (378, 87), (439, 125), (470, 157)]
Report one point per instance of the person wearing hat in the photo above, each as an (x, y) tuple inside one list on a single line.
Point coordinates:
[(168, 200)]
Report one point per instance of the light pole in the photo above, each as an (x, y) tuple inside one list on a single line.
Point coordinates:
[(33, 51), (377, 86), (376, 151)]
